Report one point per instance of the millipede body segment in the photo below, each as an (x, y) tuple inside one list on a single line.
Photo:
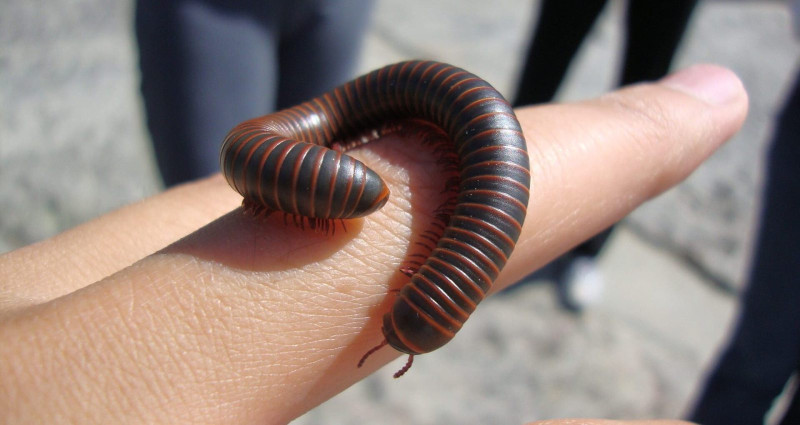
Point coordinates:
[(285, 162)]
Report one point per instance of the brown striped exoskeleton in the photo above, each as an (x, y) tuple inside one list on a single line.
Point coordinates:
[(285, 162)]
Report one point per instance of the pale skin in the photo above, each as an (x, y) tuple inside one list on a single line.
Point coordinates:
[(182, 309)]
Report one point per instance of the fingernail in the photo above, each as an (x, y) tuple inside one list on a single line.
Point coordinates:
[(710, 83)]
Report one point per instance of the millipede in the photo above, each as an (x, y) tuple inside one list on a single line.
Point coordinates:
[(294, 161)]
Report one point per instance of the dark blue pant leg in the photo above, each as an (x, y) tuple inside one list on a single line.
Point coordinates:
[(320, 49), (654, 32), (204, 68), (209, 64), (561, 27), (765, 348)]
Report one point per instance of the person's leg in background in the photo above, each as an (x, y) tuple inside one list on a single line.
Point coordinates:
[(561, 27), (654, 32), (764, 350), (320, 46), (205, 67), (210, 64)]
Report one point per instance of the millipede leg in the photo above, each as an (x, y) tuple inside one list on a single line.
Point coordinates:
[(405, 368), (371, 351), (255, 210)]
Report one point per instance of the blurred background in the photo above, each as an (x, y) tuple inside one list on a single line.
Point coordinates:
[(74, 145)]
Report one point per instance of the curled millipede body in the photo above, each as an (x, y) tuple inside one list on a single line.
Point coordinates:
[(285, 162)]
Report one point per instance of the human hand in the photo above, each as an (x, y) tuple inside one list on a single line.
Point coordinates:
[(248, 320)]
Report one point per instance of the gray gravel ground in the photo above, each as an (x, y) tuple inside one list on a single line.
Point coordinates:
[(72, 146)]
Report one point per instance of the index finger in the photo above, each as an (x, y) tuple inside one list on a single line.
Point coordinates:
[(218, 320)]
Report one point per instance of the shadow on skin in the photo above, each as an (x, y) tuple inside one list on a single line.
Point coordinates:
[(269, 245), (415, 176), (261, 244)]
